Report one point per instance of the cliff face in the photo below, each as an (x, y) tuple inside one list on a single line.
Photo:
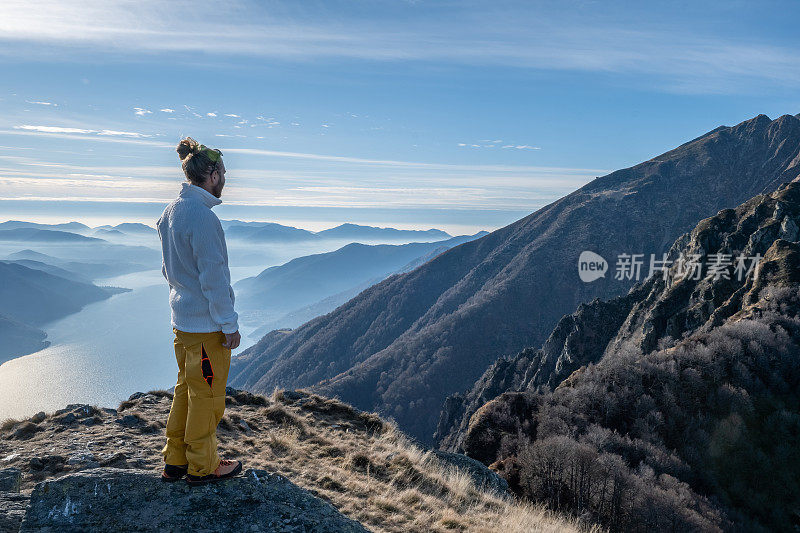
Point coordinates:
[(404, 345), (578, 339), (658, 311), (686, 376)]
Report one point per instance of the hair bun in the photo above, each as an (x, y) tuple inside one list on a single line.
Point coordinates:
[(187, 147)]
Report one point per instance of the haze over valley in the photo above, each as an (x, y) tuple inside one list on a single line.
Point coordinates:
[(88, 305)]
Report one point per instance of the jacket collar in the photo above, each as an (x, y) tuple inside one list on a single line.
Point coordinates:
[(189, 190)]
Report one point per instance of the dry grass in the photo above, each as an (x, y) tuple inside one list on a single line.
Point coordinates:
[(370, 470), (9, 423), (362, 464)]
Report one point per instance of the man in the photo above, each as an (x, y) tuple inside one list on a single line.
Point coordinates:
[(195, 264)]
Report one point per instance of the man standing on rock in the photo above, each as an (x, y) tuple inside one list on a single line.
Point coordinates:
[(203, 319)]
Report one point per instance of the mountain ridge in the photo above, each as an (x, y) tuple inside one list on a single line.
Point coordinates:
[(25, 234), (394, 348), (308, 279), (272, 231)]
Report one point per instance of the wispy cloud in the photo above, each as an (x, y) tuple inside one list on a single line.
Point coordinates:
[(139, 138), (81, 133), (54, 182), (522, 36), (123, 133), (52, 129), (409, 164), (270, 121), (167, 110), (42, 103), (192, 111), (141, 111), (495, 144)]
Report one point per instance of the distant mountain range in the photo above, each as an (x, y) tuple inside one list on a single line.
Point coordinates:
[(299, 316), (131, 228), (234, 229), (684, 392), (403, 345), (320, 282), (76, 270), (304, 314), (85, 254), (75, 227), (102, 232), (266, 232), (35, 297), (32, 255), (354, 231), (43, 235), (272, 232), (49, 268)]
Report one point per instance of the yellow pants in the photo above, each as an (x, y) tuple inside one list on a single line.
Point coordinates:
[(199, 401)]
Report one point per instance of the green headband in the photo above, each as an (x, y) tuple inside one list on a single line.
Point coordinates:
[(212, 153)]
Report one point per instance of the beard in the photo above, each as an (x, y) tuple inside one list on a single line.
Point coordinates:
[(216, 190)]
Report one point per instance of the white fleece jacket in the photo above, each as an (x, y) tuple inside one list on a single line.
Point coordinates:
[(195, 263)]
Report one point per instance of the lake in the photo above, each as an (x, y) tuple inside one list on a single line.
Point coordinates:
[(102, 354)]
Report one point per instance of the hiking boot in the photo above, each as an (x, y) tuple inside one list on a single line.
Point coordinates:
[(226, 470), (173, 473)]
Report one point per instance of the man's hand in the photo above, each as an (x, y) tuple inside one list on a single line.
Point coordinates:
[(232, 340)]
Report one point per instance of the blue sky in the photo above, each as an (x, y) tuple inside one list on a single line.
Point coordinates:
[(460, 115)]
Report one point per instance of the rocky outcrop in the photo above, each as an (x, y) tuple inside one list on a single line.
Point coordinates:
[(12, 502), (511, 413), (676, 305), (9, 479), (657, 312), (314, 464), (477, 471), (12, 510), (780, 267), (122, 500)]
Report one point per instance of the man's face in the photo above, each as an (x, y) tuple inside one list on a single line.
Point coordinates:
[(218, 180)]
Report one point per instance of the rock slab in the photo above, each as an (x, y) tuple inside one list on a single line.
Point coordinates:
[(121, 500), (10, 479), (482, 476), (12, 509)]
